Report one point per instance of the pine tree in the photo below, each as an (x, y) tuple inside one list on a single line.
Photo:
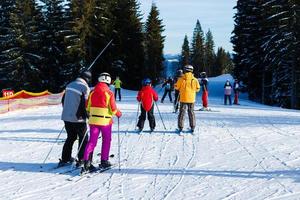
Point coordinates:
[(154, 43), (185, 52), (57, 66), (6, 43), (197, 50), (26, 22), (128, 42), (209, 54)]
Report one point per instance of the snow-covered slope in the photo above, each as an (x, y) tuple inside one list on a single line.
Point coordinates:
[(249, 151)]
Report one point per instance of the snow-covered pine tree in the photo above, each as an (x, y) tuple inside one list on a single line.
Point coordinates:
[(26, 21), (281, 49), (6, 43), (247, 55), (128, 42), (53, 47), (74, 56), (197, 50), (209, 53), (185, 52), (154, 44)]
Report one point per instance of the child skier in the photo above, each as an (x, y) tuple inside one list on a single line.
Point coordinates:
[(168, 85), (236, 90), (204, 86), (147, 96), (101, 108), (227, 92), (117, 83)]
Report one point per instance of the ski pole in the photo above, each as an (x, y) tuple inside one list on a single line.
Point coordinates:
[(81, 144), (160, 115), (100, 54), (177, 102), (119, 144), (137, 114), (53, 146)]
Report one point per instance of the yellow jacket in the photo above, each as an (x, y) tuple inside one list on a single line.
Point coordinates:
[(187, 85)]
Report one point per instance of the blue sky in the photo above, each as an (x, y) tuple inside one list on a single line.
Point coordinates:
[(180, 16)]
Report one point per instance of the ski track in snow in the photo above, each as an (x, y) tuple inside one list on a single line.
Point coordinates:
[(240, 152)]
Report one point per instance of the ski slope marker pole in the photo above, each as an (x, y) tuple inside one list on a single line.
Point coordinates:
[(53, 146), (119, 144), (160, 116), (100, 54)]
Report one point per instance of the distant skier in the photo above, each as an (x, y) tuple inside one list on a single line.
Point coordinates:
[(187, 85), (179, 74), (204, 86), (117, 83), (227, 92), (168, 85), (147, 96), (74, 116), (236, 90), (101, 108)]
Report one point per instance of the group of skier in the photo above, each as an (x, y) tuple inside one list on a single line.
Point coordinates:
[(97, 107)]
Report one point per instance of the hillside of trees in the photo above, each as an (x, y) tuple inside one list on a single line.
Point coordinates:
[(45, 44), (267, 50), (200, 53)]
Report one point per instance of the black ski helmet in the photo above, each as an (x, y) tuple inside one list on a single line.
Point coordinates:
[(86, 75), (179, 73)]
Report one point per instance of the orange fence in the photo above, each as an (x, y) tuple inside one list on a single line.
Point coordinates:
[(24, 100)]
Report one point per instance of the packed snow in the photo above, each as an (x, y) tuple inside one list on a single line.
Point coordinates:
[(247, 151)]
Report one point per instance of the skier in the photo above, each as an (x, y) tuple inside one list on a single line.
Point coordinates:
[(168, 85), (204, 86), (236, 90), (227, 92), (74, 116), (101, 107), (117, 83), (147, 96), (179, 74), (187, 85)]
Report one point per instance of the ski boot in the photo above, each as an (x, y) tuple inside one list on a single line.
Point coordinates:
[(79, 163), (88, 167), (105, 164), (63, 163)]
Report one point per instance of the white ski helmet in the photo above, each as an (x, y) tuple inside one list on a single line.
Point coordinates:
[(188, 68), (104, 78)]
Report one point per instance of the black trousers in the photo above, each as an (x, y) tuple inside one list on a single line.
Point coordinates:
[(176, 101), (74, 130), (165, 94), (142, 118), (118, 91)]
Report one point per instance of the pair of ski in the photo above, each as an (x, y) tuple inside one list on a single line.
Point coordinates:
[(144, 131), (93, 173), (181, 132)]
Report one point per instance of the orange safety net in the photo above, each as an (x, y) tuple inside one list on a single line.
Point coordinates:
[(25, 95), (28, 100)]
